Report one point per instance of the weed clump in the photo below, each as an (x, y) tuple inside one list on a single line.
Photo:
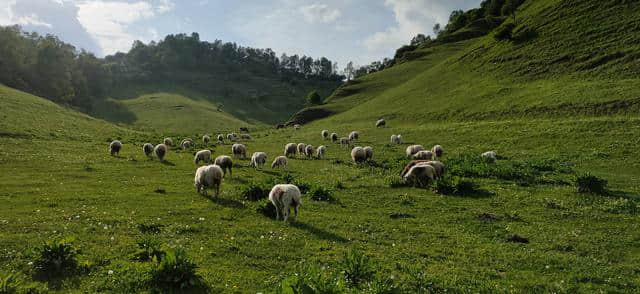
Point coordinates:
[(255, 191), (176, 271), (266, 208), (319, 193), (56, 257), (358, 268), (589, 183), (454, 186), (148, 249)]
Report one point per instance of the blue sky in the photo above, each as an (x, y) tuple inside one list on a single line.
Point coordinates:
[(342, 30)]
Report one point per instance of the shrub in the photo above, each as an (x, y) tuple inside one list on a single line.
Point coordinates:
[(266, 208), (504, 31), (255, 192), (589, 183), (312, 281), (358, 268), (304, 187), (148, 249), (319, 193), (176, 271), (9, 284), (455, 186), (383, 285), (287, 178), (56, 257)]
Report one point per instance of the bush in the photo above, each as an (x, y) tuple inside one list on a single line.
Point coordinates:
[(503, 32), (255, 192), (588, 183), (312, 281), (358, 268), (176, 271), (56, 257), (319, 193), (148, 249), (455, 186), (9, 284), (266, 208)]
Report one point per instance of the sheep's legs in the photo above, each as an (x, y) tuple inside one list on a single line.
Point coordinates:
[(277, 212), (295, 215)]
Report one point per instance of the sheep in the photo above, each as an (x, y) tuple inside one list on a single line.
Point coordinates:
[(437, 151), (490, 156), (258, 159), (325, 134), (308, 151), (396, 139), (232, 137), (439, 168), (283, 197), (423, 155), (239, 150), (413, 149), (225, 163), (334, 137), (148, 149), (381, 123), (358, 154), (206, 139), (160, 151), (280, 126), (321, 151), (344, 142), (297, 126), (420, 175), (115, 147), (202, 155), (186, 143), (368, 151), (353, 136), (208, 176), (280, 161), (245, 136), (220, 139), (244, 129), (302, 148), (290, 149), (168, 141)]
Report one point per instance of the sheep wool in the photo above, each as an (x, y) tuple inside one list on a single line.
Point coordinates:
[(283, 197), (353, 136), (208, 177), (344, 142), (321, 151), (437, 151), (147, 148), (423, 155), (168, 141), (302, 148), (202, 155), (206, 139), (413, 149), (334, 137), (115, 147), (239, 150), (258, 159), (381, 123), (325, 134), (490, 156), (368, 152), (160, 151), (279, 162), (420, 175), (309, 150), (358, 155), (225, 163), (290, 149)]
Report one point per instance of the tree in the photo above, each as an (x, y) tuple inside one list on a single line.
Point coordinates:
[(419, 39), (495, 7), (510, 7), (349, 71), (314, 98), (437, 29)]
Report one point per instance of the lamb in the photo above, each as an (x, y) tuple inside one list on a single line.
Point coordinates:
[(321, 151), (420, 175), (220, 139), (358, 154), (245, 136), (115, 147), (225, 163), (239, 150), (413, 149), (334, 137), (353, 136), (206, 139), (490, 156), (302, 148), (280, 161), (381, 123), (208, 176), (396, 139), (325, 134), (202, 155), (308, 151), (368, 151), (344, 142), (290, 149), (258, 159), (297, 126), (283, 197), (423, 155), (160, 151), (168, 141), (148, 149), (437, 151), (438, 166)]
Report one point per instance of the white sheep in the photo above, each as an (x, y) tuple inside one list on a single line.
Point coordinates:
[(334, 137), (325, 134), (437, 151), (279, 162), (239, 150), (396, 139), (413, 149), (368, 151), (245, 136), (202, 155), (160, 151), (344, 142), (220, 139), (353, 136), (115, 147), (490, 156), (423, 155), (321, 151), (290, 149), (206, 139), (309, 150), (147, 148), (187, 143), (420, 175), (168, 141), (283, 197), (232, 137), (297, 126), (358, 154), (225, 163), (381, 123), (258, 159), (208, 176), (439, 168), (302, 148)]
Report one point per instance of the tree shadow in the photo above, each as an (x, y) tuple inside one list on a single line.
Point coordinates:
[(320, 233), (112, 111)]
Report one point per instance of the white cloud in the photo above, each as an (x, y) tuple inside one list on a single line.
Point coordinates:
[(8, 17), (320, 13), (165, 6)]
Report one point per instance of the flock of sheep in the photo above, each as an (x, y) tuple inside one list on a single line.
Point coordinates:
[(423, 168)]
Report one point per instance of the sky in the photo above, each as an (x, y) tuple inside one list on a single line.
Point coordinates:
[(361, 31)]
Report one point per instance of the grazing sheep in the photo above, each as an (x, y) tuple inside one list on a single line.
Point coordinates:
[(358, 154), (187, 143), (308, 151), (420, 175), (290, 149), (225, 163), (368, 151), (168, 141), (160, 151), (396, 139), (297, 126), (220, 139), (239, 150), (302, 148), (283, 197), (437, 165), (353, 136), (258, 159), (115, 147), (437, 151), (344, 142), (148, 149), (423, 155), (279, 162), (381, 123), (413, 149), (206, 139), (321, 151), (208, 176), (325, 134), (202, 155), (245, 136), (490, 156), (334, 137), (232, 137)]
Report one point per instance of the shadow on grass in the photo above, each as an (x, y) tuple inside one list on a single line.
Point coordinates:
[(166, 162), (320, 233), (269, 172), (230, 203), (59, 280), (479, 193)]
